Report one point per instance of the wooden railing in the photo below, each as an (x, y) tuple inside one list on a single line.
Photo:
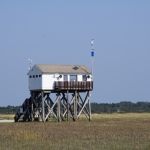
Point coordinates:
[(74, 85)]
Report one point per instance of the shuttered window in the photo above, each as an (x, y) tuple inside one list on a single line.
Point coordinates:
[(65, 77)]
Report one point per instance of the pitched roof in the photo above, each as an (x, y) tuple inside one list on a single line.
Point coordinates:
[(64, 69)]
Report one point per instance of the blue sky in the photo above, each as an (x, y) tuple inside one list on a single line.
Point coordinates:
[(60, 32)]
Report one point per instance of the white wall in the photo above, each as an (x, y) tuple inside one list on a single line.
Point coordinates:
[(35, 83), (68, 77), (48, 81), (79, 77)]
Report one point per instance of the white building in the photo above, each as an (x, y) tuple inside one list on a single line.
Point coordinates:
[(45, 77)]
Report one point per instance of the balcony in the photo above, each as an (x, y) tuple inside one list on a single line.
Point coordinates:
[(74, 85)]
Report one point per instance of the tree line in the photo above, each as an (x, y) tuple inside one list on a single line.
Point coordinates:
[(9, 109), (122, 107)]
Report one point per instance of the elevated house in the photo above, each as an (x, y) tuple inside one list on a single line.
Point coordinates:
[(59, 77), (62, 80)]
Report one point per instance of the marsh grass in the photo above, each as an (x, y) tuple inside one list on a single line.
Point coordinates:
[(7, 116), (106, 132)]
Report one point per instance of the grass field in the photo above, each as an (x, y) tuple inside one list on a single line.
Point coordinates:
[(105, 132), (6, 116)]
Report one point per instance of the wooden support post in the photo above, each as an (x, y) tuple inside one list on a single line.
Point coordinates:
[(78, 98), (75, 106), (63, 103), (58, 108), (90, 117), (67, 106), (43, 107), (32, 106)]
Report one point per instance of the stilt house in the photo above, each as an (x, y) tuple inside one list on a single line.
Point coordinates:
[(59, 77), (60, 80)]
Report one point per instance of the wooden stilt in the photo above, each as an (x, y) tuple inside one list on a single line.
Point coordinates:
[(43, 107), (51, 108), (86, 110), (67, 106), (75, 106), (84, 104), (58, 108), (78, 98), (32, 106)]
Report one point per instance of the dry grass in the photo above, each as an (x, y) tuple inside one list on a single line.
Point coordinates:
[(7, 116), (106, 132)]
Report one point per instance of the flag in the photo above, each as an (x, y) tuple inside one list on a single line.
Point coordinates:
[(92, 53)]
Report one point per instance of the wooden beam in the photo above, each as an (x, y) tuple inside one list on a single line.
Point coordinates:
[(85, 102), (75, 106), (51, 109), (43, 107), (32, 99), (87, 115), (58, 108), (67, 106)]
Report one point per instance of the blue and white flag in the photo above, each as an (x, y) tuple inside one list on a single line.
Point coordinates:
[(92, 44)]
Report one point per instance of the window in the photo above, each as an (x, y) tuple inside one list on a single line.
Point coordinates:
[(30, 76), (65, 77), (73, 77), (39, 75), (36, 76), (84, 78), (33, 76)]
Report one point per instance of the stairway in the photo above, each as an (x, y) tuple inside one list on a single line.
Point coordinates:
[(24, 110)]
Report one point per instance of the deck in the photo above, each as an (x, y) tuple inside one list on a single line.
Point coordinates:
[(74, 85)]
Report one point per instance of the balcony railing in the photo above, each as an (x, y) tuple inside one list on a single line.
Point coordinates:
[(74, 85)]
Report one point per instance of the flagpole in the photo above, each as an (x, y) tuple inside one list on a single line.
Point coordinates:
[(93, 68), (92, 58)]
